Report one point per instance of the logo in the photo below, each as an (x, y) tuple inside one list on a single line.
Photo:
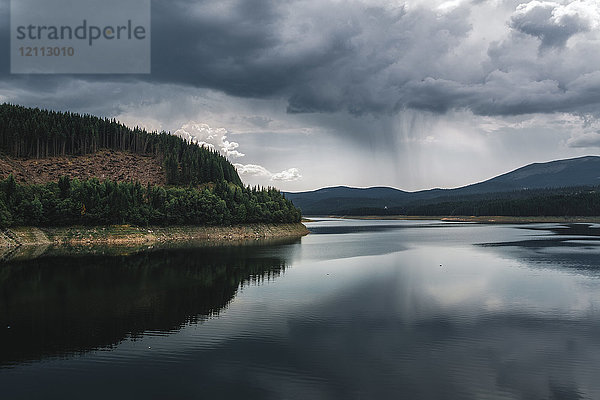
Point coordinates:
[(80, 36)]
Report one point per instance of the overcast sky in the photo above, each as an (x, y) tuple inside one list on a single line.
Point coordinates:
[(312, 93)]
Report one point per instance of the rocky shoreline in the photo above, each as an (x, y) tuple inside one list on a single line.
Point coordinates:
[(133, 235)]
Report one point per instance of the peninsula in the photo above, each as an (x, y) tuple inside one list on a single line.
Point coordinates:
[(78, 178)]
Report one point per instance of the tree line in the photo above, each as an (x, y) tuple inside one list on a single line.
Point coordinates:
[(583, 203), (92, 202), (568, 202), (35, 133)]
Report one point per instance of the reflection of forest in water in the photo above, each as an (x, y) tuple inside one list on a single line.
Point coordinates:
[(62, 305)]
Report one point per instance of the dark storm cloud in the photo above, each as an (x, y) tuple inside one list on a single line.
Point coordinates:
[(219, 45), (357, 57), (329, 57)]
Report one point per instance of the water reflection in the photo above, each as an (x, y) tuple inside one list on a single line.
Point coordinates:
[(570, 246), (59, 305), (439, 311), (334, 227)]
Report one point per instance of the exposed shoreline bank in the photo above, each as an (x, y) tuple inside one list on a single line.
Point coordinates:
[(134, 235), (481, 219)]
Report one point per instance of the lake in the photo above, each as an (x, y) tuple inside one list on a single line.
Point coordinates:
[(355, 310)]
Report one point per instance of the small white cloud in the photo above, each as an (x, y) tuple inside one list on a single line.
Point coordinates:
[(213, 138), (289, 175), (252, 170), (216, 138), (449, 5)]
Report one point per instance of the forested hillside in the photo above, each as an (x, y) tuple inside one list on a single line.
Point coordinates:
[(34, 133), (202, 186), (565, 202), (549, 180), (91, 202), (541, 203)]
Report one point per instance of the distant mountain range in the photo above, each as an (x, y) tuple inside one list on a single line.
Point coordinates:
[(343, 200)]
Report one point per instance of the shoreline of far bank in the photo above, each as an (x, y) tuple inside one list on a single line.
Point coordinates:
[(480, 219), (134, 235)]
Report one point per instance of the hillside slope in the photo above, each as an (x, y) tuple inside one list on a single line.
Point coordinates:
[(581, 171), (31, 133), (575, 172), (124, 176), (114, 165)]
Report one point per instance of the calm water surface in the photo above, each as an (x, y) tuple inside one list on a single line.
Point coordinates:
[(356, 310)]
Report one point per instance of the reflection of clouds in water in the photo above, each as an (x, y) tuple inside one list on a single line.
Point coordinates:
[(488, 323), (401, 325)]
